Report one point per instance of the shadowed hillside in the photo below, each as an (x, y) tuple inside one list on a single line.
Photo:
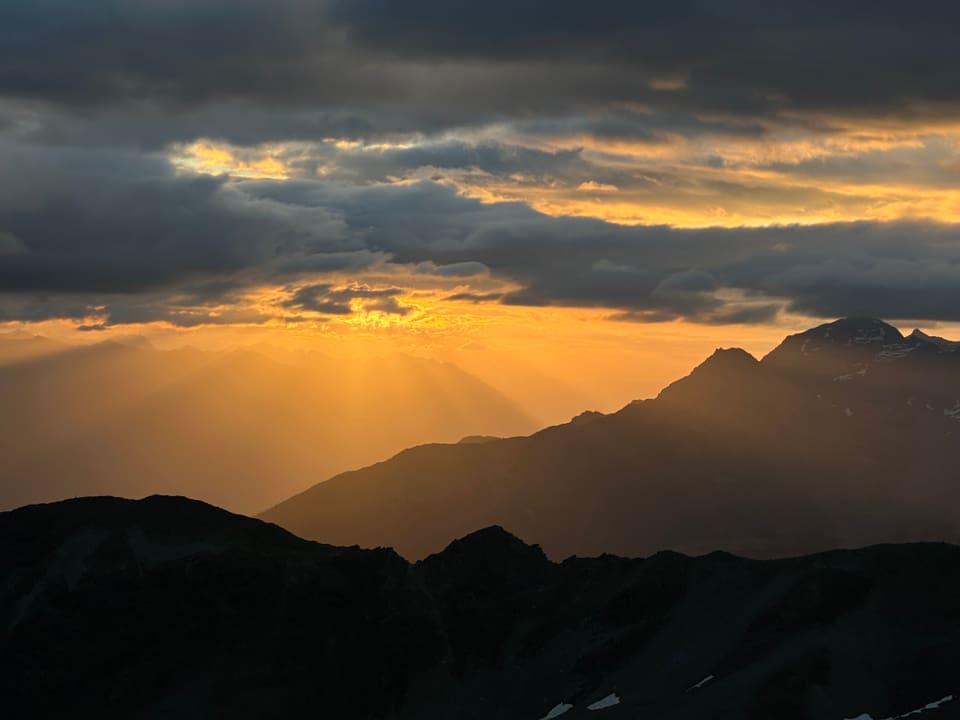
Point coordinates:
[(845, 435), (236, 428), (168, 607)]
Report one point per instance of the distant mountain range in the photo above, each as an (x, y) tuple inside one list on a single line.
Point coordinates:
[(847, 434), (242, 429), (167, 607)]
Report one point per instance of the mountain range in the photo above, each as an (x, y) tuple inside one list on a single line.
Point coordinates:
[(168, 607), (845, 435), (242, 428)]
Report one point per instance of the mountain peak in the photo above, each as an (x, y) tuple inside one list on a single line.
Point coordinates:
[(731, 356), (724, 361), (821, 342), (490, 540), (939, 342), (855, 330), (495, 552), (726, 370)]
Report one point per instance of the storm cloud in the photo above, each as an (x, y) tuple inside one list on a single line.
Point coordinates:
[(134, 237), (378, 66), (478, 144)]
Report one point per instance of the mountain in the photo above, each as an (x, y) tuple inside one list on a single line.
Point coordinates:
[(168, 607), (845, 435), (21, 346), (236, 428)]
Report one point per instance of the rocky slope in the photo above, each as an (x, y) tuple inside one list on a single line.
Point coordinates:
[(171, 608), (845, 435)]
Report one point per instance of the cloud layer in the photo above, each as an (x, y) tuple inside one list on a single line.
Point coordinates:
[(222, 161)]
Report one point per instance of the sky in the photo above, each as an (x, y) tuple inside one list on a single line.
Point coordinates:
[(602, 190)]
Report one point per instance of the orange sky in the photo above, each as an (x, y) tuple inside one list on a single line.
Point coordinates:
[(597, 361), (554, 362)]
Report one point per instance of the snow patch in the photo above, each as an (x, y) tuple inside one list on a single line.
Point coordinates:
[(868, 336), (919, 711), (557, 711), (609, 701), (850, 376), (848, 412), (894, 352), (700, 684), (929, 706), (943, 346)]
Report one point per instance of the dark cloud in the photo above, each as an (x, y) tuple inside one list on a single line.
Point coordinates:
[(260, 70), (898, 270), (123, 237), (315, 298), (493, 158), (475, 297), (461, 269), (330, 300), (750, 56), (93, 221), (97, 226)]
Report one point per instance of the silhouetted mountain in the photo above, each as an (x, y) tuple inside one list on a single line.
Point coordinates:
[(845, 435), (236, 427), (167, 607), (21, 346)]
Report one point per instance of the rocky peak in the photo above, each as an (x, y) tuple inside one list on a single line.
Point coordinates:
[(940, 343)]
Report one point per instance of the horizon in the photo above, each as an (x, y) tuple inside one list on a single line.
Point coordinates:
[(593, 389)]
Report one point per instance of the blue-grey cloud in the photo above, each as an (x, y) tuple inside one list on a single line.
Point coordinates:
[(126, 234), (373, 66)]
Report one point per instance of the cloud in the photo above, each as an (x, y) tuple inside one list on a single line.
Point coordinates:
[(898, 270), (329, 300), (459, 269), (94, 221), (596, 187), (475, 297), (123, 237), (351, 68), (10, 244), (747, 56)]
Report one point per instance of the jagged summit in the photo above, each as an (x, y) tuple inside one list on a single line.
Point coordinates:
[(856, 330), (764, 458), (729, 357), (492, 547), (727, 368), (723, 362), (846, 332), (836, 347), (849, 345), (940, 343)]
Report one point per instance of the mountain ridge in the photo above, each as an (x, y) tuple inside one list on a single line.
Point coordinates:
[(806, 448), (166, 606)]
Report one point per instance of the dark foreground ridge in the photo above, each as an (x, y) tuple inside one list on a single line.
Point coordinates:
[(167, 607), (844, 436)]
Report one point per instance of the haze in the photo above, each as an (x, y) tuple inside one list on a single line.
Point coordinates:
[(565, 210)]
